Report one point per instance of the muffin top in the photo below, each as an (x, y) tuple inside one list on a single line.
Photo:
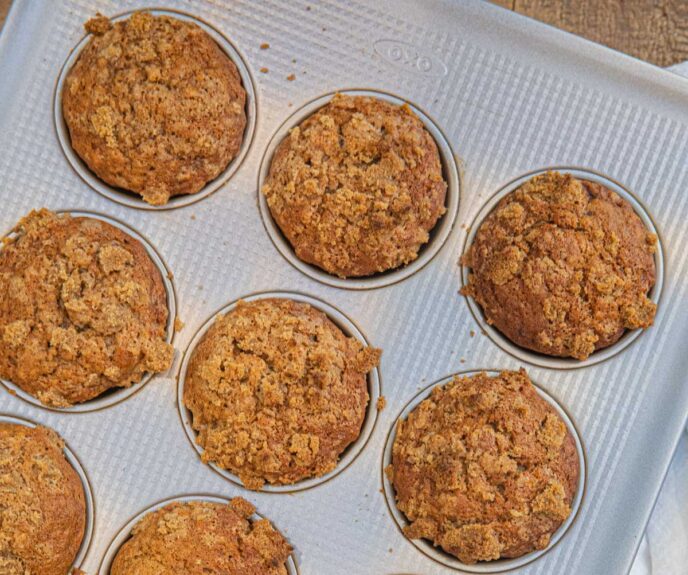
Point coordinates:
[(201, 538), (154, 106), (357, 187), (484, 468), (42, 503), (82, 309), (563, 266), (277, 391)]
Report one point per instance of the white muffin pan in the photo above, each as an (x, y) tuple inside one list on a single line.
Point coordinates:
[(504, 97)]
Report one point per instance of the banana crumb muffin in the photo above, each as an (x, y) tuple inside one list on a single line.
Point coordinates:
[(83, 309), (357, 187), (277, 392), (563, 266), (198, 538), (154, 106), (42, 503), (484, 468)]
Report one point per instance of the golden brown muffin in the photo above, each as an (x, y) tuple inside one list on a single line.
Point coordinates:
[(563, 266), (484, 468), (154, 106), (277, 392), (203, 538), (357, 187), (42, 503), (83, 309)]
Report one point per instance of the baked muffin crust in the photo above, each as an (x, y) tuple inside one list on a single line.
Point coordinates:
[(277, 391), (484, 468), (42, 503), (154, 106), (201, 538), (563, 266), (82, 309), (357, 187)]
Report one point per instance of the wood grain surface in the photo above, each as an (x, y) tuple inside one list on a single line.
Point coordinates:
[(652, 30), (4, 7)]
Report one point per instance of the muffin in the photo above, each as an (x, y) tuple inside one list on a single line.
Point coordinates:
[(200, 537), (43, 507), (154, 106), (563, 267), (83, 309), (277, 392), (484, 468), (357, 187)]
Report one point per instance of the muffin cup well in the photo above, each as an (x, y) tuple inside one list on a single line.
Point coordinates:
[(125, 532), (541, 359), (132, 199), (114, 395), (85, 483), (438, 235), (374, 391), (437, 554)]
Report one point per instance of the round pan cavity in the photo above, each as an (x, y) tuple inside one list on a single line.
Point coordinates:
[(374, 391), (132, 199), (438, 234), (86, 484), (541, 359), (115, 395), (437, 554), (125, 532)]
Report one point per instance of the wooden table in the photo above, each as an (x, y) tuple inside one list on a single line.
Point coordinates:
[(653, 30)]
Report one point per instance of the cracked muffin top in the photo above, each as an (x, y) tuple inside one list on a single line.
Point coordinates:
[(83, 309), (277, 392), (484, 468), (203, 538), (154, 106), (42, 503), (357, 187), (563, 266)]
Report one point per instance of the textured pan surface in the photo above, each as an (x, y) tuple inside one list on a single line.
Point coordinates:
[(511, 96)]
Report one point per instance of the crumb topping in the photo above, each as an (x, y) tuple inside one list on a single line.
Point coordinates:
[(563, 266), (154, 106), (82, 309), (42, 503), (484, 468), (277, 392), (357, 187), (198, 538)]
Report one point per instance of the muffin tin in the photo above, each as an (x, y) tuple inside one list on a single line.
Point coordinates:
[(505, 94)]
